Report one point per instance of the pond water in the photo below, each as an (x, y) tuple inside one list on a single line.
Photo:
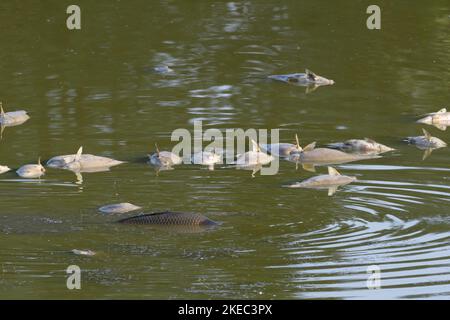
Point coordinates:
[(95, 87)]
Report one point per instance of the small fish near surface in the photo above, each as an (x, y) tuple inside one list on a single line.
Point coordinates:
[(118, 208), (330, 181), (308, 79), (426, 142), (365, 146), (439, 119), (4, 169), (164, 160), (282, 149), (31, 171), (11, 119), (169, 218), (310, 156)]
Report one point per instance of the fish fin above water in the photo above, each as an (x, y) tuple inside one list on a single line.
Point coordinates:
[(78, 155), (255, 146), (310, 146), (443, 110), (427, 153), (332, 190), (426, 134), (157, 149), (2, 112), (333, 172), (309, 167), (310, 75), (39, 161), (297, 142)]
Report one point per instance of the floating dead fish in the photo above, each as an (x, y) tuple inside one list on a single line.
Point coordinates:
[(439, 119), (308, 79), (164, 159), (330, 181), (310, 156), (426, 142), (82, 162), (362, 146), (207, 158), (31, 171), (83, 252), (4, 169), (253, 160), (282, 149), (13, 118), (169, 218), (119, 208)]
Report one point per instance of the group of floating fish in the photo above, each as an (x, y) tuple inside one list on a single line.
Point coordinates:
[(260, 155)]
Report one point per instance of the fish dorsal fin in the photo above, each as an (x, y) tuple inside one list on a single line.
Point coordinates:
[(333, 172), (255, 146), (297, 143), (443, 110), (78, 155), (311, 75), (157, 149), (310, 147), (1, 110), (426, 134), (39, 161), (369, 140)]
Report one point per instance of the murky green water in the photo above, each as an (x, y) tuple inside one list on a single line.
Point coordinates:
[(95, 88)]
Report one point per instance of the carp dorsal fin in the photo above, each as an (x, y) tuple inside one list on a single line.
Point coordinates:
[(333, 172), (426, 134), (311, 75), (370, 140), (310, 147), (1, 110), (443, 110), (255, 146), (157, 149), (78, 155), (39, 161)]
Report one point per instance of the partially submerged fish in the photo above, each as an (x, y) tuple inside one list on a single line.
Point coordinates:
[(310, 156), (254, 159), (207, 158), (426, 142), (330, 181), (169, 218), (4, 169), (308, 79), (119, 208), (282, 149), (83, 252), (13, 118), (31, 171), (82, 162), (439, 119), (164, 159), (362, 146)]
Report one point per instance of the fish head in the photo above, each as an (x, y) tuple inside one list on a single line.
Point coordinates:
[(426, 120), (318, 80)]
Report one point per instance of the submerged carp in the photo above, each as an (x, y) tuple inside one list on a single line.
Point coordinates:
[(439, 119), (31, 171), (169, 218), (308, 79), (330, 181), (362, 146)]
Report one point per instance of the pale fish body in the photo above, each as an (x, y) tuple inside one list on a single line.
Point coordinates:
[(330, 181), (363, 146), (206, 158), (4, 169), (118, 208), (13, 118), (86, 162), (307, 79), (439, 119), (165, 159), (284, 149), (31, 171)]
